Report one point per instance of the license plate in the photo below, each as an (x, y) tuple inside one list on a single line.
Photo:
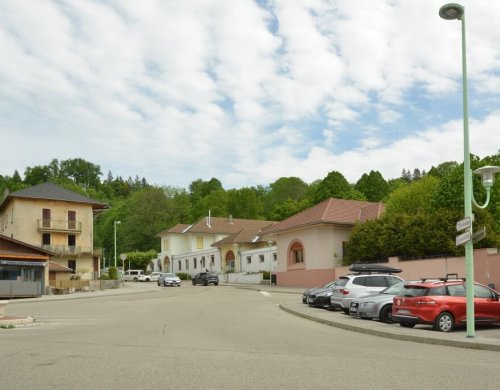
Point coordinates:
[(403, 311), (310, 300)]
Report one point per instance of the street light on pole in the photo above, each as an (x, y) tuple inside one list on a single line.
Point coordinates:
[(116, 223), (454, 11)]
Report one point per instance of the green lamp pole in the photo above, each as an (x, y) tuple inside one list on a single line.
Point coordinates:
[(451, 12)]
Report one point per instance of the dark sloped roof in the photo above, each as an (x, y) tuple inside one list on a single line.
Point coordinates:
[(11, 245), (331, 211), (51, 191), (56, 267)]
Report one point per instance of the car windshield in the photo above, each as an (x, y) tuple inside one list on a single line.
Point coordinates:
[(415, 291), (170, 275)]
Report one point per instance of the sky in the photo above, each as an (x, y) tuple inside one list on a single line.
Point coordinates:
[(246, 91)]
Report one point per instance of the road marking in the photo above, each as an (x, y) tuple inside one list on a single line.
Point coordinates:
[(265, 293)]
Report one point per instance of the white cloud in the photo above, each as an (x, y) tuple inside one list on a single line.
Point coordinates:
[(174, 91)]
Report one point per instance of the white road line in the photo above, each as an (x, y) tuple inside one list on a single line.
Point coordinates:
[(265, 293)]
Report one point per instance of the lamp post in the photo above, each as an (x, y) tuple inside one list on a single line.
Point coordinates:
[(454, 11), (116, 223)]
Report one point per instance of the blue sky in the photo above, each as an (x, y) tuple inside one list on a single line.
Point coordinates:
[(244, 91)]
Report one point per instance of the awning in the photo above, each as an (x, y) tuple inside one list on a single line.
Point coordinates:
[(23, 263)]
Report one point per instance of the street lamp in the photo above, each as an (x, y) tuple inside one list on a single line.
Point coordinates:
[(116, 223), (454, 11)]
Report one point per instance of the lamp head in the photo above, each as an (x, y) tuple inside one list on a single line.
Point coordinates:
[(451, 11), (488, 175)]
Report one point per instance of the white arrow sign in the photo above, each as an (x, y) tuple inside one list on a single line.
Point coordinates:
[(463, 224), (463, 238)]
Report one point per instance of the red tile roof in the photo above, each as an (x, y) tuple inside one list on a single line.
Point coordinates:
[(219, 225), (331, 211)]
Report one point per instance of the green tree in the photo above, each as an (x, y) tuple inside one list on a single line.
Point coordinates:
[(81, 172), (245, 203), (373, 186), (335, 185)]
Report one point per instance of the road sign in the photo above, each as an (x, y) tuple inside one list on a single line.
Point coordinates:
[(479, 235), (463, 224), (463, 238)]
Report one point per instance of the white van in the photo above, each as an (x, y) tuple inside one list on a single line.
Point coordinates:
[(133, 275)]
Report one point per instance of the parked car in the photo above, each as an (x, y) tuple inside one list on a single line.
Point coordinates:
[(377, 306), (152, 277), (205, 278), (169, 279), (368, 279), (318, 296), (133, 275), (442, 304)]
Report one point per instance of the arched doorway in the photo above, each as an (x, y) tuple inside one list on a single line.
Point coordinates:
[(229, 260)]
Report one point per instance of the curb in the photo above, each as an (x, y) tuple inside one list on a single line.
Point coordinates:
[(472, 344), (15, 321)]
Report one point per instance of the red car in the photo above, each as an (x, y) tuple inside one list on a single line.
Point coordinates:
[(443, 304)]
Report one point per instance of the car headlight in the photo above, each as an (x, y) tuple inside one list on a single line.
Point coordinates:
[(325, 294), (367, 304)]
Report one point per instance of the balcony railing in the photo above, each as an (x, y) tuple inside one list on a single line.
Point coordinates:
[(59, 225), (66, 250)]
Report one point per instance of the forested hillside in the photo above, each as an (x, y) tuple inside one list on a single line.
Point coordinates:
[(422, 208)]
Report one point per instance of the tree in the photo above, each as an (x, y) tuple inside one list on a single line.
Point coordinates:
[(245, 203), (37, 175), (335, 185), (373, 186), (81, 172), (414, 198)]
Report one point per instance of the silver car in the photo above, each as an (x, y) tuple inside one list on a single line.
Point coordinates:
[(169, 279), (377, 306), (350, 287)]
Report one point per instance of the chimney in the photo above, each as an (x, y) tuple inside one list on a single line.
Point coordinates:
[(208, 219)]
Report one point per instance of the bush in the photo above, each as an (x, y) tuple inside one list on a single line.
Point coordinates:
[(265, 275), (113, 273), (104, 276), (183, 276)]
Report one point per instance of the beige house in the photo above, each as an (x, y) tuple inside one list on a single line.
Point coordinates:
[(312, 243), (57, 220), (204, 245)]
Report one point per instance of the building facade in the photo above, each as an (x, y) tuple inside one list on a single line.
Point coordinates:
[(57, 220)]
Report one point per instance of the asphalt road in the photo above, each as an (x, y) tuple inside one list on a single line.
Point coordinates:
[(217, 338)]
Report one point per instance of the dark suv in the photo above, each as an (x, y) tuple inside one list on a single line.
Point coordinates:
[(206, 278)]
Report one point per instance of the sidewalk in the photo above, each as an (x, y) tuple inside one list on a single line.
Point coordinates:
[(487, 338)]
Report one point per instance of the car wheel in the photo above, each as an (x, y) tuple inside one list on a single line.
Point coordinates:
[(346, 311), (205, 283), (444, 322), (385, 314), (407, 324), (216, 283), (136, 280), (158, 283), (194, 283)]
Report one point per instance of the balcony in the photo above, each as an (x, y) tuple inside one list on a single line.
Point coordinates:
[(53, 225), (66, 250)]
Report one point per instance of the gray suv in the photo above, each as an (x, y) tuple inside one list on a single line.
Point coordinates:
[(354, 286)]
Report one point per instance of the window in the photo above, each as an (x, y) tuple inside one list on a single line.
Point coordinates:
[(46, 218), (203, 262), (71, 219), (456, 290), (212, 260), (199, 242), (275, 256), (261, 258), (297, 253), (481, 292), (180, 265), (195, 263), (166, 244), (71, 240), (72, 265), (46, 239), (187, 264), (249, 259)]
